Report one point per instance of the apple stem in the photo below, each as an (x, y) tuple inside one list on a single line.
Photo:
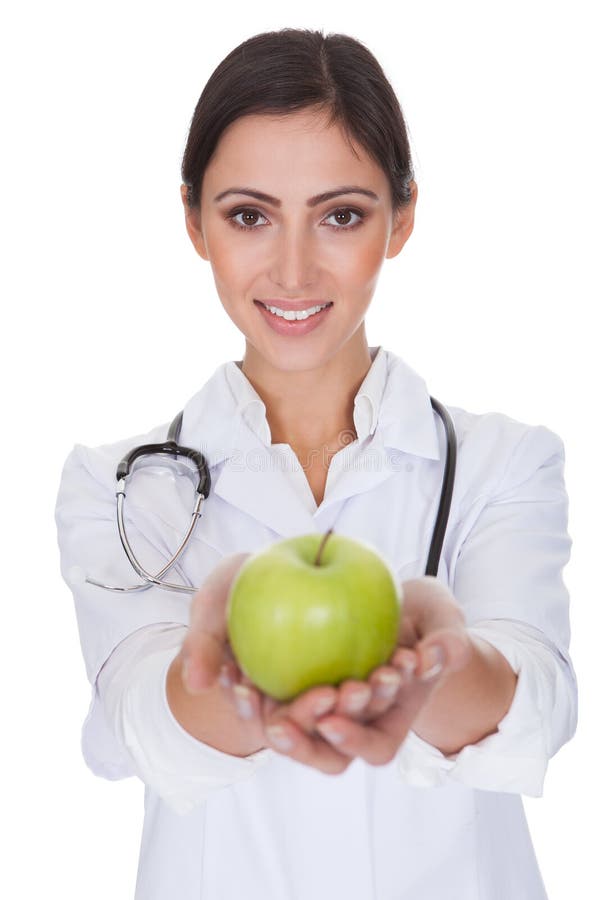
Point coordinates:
[(322, 544)]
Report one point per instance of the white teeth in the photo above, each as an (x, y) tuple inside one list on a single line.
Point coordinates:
[(295, 314)]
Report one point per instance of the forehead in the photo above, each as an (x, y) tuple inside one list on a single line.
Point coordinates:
[(271, 148)]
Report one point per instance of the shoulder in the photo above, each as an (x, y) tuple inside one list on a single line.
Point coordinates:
[(496, 452), (99, 463)]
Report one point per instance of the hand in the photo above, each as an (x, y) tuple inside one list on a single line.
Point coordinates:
[(431, 616), (206, 655)]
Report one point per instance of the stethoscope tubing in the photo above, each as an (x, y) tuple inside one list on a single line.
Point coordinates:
[(172, 448), (441, 522)]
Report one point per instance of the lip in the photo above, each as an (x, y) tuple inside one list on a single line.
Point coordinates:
[(292, 328), (287, 305)]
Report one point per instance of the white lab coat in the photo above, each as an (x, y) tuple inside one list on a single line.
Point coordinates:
[(425, 825)]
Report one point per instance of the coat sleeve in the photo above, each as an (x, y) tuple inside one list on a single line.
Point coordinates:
[(128, 639), (181, 770), (506, 572)]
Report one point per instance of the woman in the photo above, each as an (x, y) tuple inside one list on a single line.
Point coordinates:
[(297, 184)]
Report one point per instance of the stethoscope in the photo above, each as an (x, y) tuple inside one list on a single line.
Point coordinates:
[(172, 448)]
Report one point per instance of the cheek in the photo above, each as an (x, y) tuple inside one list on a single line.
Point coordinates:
[(367, 261), (233, 263), (359, 262)]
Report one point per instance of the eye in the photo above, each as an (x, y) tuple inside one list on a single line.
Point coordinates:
[(345, 213), (249, 214), (246, 218)]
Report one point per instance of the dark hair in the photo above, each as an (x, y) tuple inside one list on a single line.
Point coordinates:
[(278, 72)]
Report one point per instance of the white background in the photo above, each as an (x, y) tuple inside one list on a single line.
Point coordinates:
[(110, 322)]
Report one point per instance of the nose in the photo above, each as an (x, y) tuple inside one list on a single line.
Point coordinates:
[(294, 263)]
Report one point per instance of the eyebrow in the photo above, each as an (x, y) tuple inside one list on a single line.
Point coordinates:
[(313, 201)]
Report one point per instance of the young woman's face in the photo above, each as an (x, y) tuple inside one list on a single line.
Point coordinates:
[(293, 242)]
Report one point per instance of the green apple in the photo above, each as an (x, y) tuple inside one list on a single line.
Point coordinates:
[(312, 610)]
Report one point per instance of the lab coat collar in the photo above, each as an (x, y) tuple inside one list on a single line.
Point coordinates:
[(407, 421), (399, 413), (217, 422), (366, 402)]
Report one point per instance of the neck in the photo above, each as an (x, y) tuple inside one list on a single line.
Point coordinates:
[(311, 408)]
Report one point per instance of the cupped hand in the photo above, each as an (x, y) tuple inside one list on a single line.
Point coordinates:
[(326, 727)]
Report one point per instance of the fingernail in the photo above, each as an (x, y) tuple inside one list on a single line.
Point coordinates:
[(408, 668), (278, 736), (323, 705), (433, 660), (189, 674), (224, 678), (387, 684), (242, 701), (330, 733), (358, 700)]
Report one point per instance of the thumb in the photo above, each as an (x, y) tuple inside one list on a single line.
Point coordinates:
[(443, 651), (438, 622), (205, 649)]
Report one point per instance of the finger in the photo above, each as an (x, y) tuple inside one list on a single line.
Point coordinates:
[(287, 738), (250, 701), (204, 648), (247, 697), (353, 698), (432, 616), (443, 649), (230, 673), (429, 604), (377, 742), (247, 701), (406, 660), (305, 709), (365, 701), (385, 682), (289, 728)]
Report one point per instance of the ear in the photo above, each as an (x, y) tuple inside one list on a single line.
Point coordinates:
[(192, 224), (404, 220)]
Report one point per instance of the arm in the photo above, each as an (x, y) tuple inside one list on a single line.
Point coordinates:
[(506, 573)]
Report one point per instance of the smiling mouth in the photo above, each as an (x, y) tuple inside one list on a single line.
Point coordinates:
[(298, 315)]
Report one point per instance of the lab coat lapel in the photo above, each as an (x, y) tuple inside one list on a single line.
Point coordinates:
[(243, 471), (407, 422), (253, 480), (406, 428)]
